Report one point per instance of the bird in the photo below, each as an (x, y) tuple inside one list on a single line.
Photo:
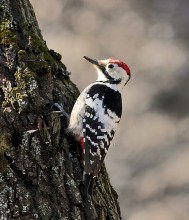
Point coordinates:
[(96, 114)]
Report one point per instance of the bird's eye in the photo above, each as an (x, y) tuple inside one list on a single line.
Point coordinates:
[(110, 66)]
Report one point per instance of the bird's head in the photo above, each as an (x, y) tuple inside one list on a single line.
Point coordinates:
[(111, 70)]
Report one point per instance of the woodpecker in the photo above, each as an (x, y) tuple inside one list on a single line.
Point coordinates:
[(96, 114)]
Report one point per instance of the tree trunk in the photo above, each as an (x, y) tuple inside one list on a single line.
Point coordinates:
[(40, 165)]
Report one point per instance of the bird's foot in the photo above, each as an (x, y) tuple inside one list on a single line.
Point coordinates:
[(59, 109)]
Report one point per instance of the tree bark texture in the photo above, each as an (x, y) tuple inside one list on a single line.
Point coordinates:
[(40, 165)]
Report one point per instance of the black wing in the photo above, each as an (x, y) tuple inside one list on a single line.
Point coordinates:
[(97, 141), (102, 114), (101, 101)]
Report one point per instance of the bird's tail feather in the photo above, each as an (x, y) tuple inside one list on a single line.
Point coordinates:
[(89, 184)]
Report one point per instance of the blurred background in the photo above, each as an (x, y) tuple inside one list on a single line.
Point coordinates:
[(149, 161)]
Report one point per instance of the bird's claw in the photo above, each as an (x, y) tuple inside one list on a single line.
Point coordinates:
[(60, 110)]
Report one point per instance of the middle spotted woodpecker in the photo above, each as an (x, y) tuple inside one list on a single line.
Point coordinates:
[(96, 114)]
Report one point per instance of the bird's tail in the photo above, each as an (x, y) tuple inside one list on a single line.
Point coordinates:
[(89, 181)]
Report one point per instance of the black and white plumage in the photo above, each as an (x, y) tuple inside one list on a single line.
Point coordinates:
[(96, 114)]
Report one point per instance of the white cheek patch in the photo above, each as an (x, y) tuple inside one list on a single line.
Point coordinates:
[(117, 72)]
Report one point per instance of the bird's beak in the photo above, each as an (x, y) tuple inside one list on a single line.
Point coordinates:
[(93, 61), (99, 64)]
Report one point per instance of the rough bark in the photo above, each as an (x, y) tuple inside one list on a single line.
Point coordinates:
[(40, 165)]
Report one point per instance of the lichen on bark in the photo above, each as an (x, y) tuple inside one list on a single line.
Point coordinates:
[(5, 144), (40, 164)]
